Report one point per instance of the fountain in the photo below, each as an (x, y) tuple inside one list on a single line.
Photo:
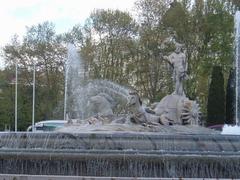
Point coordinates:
[(79, 89), (106, 141), (230, 129), (75, 77), (237, 65)]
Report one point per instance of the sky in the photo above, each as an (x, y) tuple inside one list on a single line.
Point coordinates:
[(17, 14)]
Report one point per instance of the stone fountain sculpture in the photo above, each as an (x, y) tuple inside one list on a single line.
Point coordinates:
[(175, 108), (139, 114), (177, 60), (140, 144)]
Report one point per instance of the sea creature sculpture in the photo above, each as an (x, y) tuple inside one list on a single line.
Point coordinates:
[(178, 110), (138, 113)]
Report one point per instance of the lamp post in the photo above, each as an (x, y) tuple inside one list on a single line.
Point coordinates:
[(65, 90), (16, 88), (33, 100)]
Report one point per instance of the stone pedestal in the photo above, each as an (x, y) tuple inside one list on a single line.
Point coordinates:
[(115, 154)]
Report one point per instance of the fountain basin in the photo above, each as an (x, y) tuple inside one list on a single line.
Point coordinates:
[(121, 154)]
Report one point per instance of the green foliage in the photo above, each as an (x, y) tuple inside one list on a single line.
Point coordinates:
[(206, 29), (75, 36), (7, 100), (230, 98), (152, 77), (40, 44), (116, 46), (176, 18), (216, 98)]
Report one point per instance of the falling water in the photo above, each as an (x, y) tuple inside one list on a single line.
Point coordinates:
[(120, 154), (237, 64)]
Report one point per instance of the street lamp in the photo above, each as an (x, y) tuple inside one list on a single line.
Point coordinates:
[(65, 90), (33, 100), (16, 87)]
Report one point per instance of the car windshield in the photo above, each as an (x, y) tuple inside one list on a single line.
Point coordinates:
[(47, 125), (54, 124)]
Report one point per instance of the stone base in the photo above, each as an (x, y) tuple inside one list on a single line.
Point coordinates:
[(121, 154), (45, 177)]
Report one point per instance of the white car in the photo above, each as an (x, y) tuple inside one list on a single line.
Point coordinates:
[(48, 125)]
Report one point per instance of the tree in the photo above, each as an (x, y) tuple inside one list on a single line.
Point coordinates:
[(206, 29), (230, 98), (7, 95), (152, 76), (40, 44), (216, 98), (114, 46), (74, 36)]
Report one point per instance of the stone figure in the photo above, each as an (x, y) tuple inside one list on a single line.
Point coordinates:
[(177, 60), (177, 109), (139, 114), (172, 109)]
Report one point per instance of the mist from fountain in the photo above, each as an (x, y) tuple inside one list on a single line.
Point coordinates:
[(79, 88), (237, 65), (116, 94), (74, 79)]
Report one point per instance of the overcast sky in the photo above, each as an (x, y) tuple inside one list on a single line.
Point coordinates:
[(17, 14)]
